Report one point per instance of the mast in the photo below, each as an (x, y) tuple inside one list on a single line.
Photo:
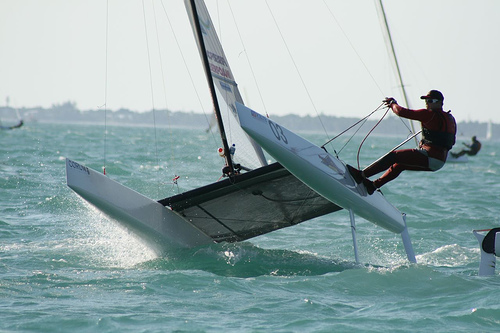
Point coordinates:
[(396, 63), (211, 85)]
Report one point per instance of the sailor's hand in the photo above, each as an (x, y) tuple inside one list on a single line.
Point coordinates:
[(388, 101)]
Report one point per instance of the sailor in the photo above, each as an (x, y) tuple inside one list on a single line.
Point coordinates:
[(438, 137), (474, 148)]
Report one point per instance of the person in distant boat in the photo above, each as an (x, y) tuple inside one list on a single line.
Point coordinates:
[(438, 137), (21, 123), (474, 148)]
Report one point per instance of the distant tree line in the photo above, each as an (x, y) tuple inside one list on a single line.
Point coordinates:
[(69, 113)]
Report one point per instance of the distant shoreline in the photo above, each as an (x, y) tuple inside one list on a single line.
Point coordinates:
[(67, 113)]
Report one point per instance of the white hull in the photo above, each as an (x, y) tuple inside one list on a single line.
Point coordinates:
[(489, 245), (160, 227), (319, 170)]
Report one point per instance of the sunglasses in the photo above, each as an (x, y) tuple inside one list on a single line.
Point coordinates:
[(432, 100)]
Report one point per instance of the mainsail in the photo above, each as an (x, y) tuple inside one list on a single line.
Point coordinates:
[(249, 154)]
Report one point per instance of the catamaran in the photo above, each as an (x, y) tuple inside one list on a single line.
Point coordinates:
[(262, 197)]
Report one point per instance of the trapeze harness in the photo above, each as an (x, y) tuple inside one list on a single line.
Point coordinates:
[(439, 140)]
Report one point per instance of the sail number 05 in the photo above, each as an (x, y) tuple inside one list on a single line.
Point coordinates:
[(278, 132)]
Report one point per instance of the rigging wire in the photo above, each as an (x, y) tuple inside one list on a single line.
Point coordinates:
[(248, 60), (369, 73), (106, 89), (356, 123), (307, 91), (189, 72), (176, 177), (161, 63), (150, 79), (363, 121), (353, 48), (395, 62), (368, 134), (297, 69), (301, 78)]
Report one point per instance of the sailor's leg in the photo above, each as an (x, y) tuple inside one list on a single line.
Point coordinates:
[(406, 159), (381, 165)]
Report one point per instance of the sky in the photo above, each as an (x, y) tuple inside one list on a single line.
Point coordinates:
[(309, 57)]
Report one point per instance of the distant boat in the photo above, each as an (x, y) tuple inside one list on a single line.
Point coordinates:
[(489, 131), (17, 125), (392, 53), (244, 204)]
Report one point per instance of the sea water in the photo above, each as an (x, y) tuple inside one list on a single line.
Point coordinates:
[(66, 268)]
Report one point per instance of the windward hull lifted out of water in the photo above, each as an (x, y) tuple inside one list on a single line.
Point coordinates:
[(324, 173)]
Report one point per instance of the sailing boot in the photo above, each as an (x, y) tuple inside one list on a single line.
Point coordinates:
[(370, 186), (356, 174)]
